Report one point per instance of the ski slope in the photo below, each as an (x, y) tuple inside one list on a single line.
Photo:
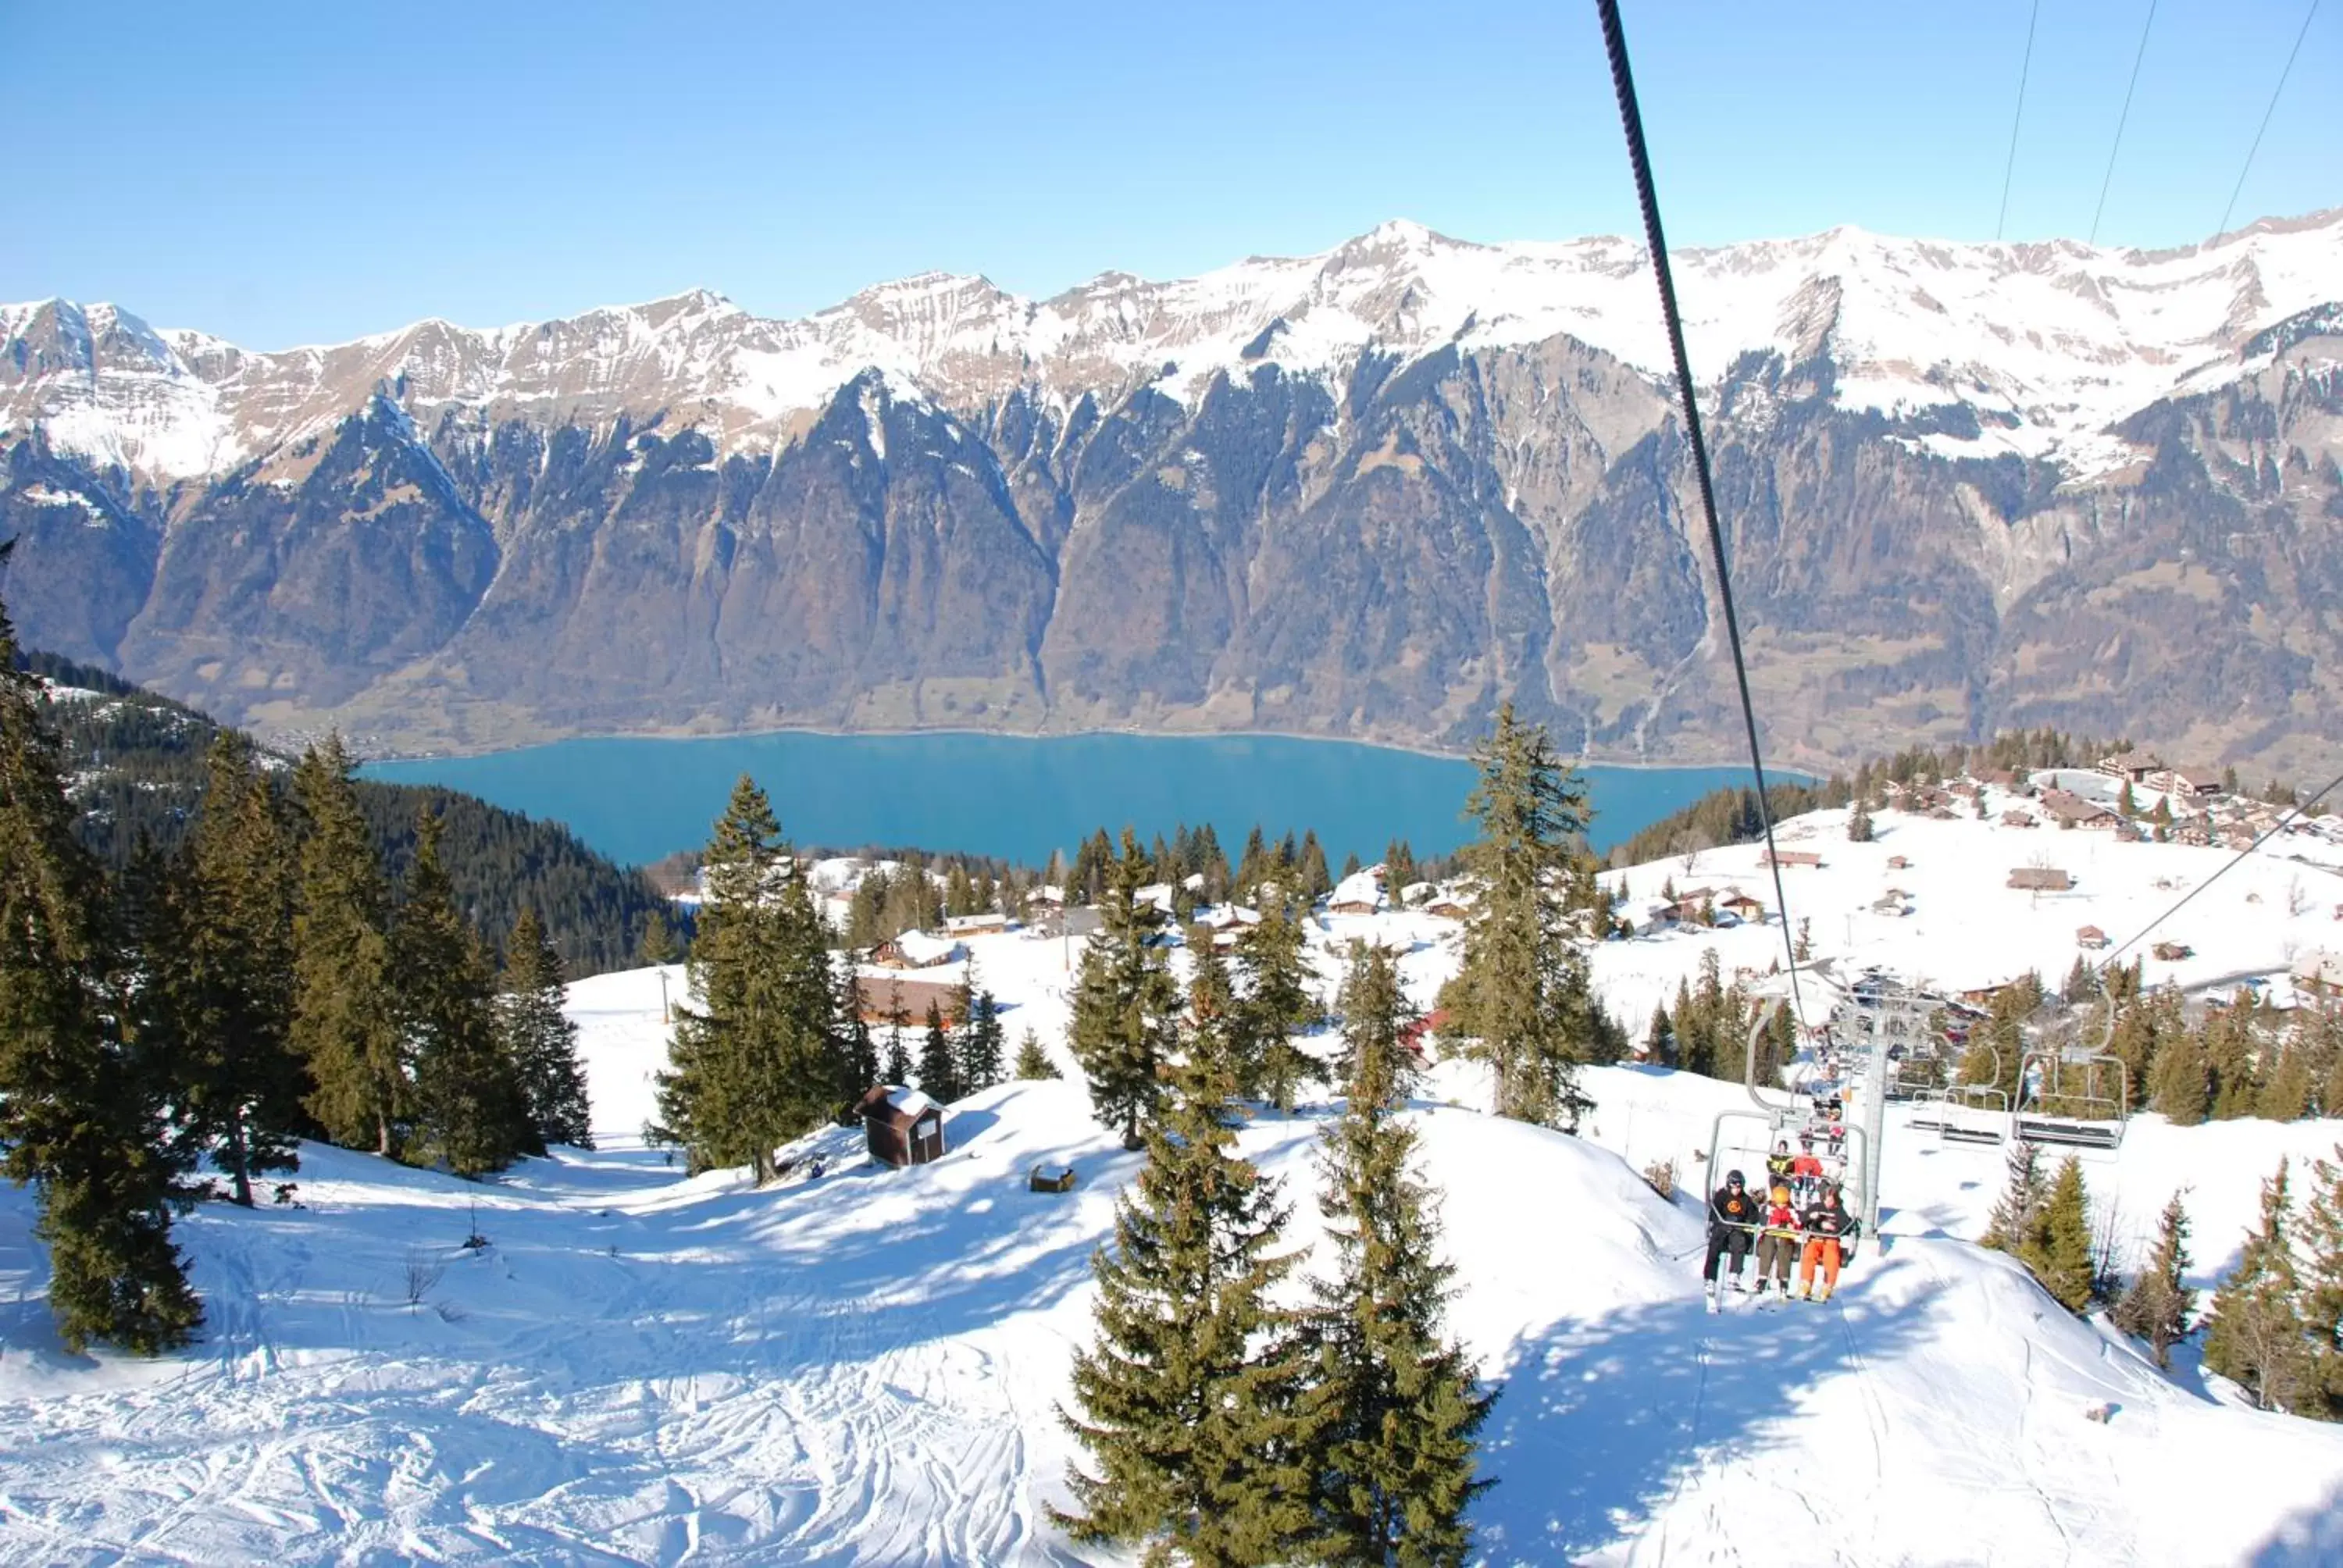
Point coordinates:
[(865, 1367)]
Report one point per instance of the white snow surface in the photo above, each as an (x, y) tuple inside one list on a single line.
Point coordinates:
[(865, 1367), (2049, 342)]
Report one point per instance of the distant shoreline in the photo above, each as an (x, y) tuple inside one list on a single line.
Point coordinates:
[(1782, 772)]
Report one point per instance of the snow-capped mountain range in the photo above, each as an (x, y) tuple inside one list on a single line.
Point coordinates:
[(1372, 492), (2051, 343)]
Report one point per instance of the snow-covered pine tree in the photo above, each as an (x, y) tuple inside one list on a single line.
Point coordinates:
[(214, 1007), (2157, 1307), (469, 1107), (1124, 1002), (80, 1113), (2015, 1212), (2059, 1248), (1277, 1005), (1189, 1400), (938, 1065), (343, 1028), (2254, 1334), (1034, 1062), (1394, 1407), (752, 1067), (2322, 1286), (540, 1038), (1521, 994)]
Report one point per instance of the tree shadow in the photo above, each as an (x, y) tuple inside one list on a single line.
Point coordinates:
[(2310, 1537), (1599, 1422)]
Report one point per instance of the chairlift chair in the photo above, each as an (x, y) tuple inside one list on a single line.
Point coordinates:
[(2079, 1102), (1966, 1113)]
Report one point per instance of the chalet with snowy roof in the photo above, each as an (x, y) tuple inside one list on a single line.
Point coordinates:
[(2172, 952), (2019, 819), (877, 998), (2040, 879), (2069, 810), (1644, 916), (1449, 907), (1742, 906), (978, 925), (902, 1126), (2319, 971), (1415, 893), (1360, 893), (1791, 858), (2090, 937), (2187, 783), (2133, 766), (917, 950)]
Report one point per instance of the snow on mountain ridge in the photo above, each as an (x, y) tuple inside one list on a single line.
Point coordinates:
[(2053, 342)]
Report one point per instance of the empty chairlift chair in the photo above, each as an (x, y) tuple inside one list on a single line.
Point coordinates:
[(2078, 1101)]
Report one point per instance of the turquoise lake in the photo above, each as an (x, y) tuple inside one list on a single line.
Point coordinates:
[(636, 800)]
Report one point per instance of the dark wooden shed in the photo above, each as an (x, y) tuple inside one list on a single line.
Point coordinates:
[(902, 1126)]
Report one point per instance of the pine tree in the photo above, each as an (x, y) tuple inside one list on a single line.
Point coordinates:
[(2284, 1093), (1399, 869), (982, 1044), (215, 1005), (939, 1067), (2017, 1212), (1312, 868), (2157, 1307), (1032, 1062), (2057, 1250), (897, 1067), (472, 1112), (2180, 1086), (1277, 1004), (2322, 1288), (1189, 1400), (80, 1118), (1660, 1041), (1395, 1406), (1859, 824), (342, 1022), (1521, 994), (856, 1053), (658, 943), (2254, 1335), (752, 1066), (539, 1040), (1123, 1003)]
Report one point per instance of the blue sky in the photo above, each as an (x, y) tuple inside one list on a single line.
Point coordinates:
[(283, 173)]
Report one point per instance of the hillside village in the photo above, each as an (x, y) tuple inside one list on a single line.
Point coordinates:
[(600, 1355)]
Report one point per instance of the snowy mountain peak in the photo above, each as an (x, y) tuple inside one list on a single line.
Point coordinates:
[(2053, 343)]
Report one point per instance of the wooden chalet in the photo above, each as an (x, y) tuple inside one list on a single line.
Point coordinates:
[(1741, 907), (2319, 971), (902, 1126), (2069, 810), (1791, 858), (2187, 783), (1360, 893), (1899, 862), (2135, 765), (875, 998), (2090, 937), (2019, 819), (917, 950), (2173, 953), (975, 925), (2040, 879)]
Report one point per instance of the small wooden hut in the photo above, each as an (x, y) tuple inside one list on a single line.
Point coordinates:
[(902, 1126)]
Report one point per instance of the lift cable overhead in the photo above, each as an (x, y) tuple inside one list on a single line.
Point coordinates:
[(1631, 119)]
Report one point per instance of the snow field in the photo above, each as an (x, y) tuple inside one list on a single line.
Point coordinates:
[(865, 1367)]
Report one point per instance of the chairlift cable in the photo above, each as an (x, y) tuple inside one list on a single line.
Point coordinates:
[(1631, 120), (2240, 188), (2024, 63), (2109, 177), (2226, 867)]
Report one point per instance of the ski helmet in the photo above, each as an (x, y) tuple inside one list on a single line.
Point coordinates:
[(1733, 1177)]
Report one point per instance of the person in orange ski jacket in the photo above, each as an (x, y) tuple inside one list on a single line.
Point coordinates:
[(1830, 1237)]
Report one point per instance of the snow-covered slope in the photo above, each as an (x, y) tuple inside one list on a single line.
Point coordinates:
[(2048, 344), (865, 1366)]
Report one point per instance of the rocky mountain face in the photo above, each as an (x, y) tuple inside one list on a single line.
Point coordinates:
[(1370, 493)]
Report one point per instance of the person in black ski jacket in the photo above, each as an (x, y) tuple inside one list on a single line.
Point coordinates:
[(1732, 1213), (1830, 1238)]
